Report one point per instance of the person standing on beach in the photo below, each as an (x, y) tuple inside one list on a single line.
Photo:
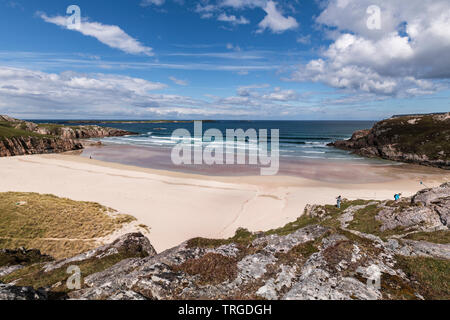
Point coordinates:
[(397, 196), (339, 201)]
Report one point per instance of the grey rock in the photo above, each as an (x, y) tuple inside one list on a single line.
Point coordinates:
[(10, 292)]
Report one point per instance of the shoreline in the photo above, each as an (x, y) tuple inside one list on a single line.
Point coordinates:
[(179, 206)]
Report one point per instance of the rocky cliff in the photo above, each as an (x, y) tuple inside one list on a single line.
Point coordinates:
[(421, 139), (365, 250), (18, 137), (36, 145)]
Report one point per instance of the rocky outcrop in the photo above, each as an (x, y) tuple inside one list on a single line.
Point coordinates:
[(49, 278), (82, 132), (26, 138), (16, 146), (10, 292), (22, 256), (365, 250), (421, 139)]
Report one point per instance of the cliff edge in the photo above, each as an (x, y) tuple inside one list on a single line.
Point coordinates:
[(18, 137), (420, 139)]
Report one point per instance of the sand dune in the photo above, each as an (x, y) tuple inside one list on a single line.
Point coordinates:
[(179, 206)]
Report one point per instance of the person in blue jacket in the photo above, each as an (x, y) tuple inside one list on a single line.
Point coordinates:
[(339, 201)]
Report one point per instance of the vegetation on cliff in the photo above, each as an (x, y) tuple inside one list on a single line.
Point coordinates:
[(421, 139)]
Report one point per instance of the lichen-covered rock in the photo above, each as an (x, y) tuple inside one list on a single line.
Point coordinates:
[(133, 244)]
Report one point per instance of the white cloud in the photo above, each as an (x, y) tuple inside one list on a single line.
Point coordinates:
[(304, 39), (232, 19), (69, 94), (112, 36), (408, 56), (275, 21), (239, 4), (146, 3), (179, 81)]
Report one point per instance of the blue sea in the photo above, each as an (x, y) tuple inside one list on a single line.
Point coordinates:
[(298, 139)]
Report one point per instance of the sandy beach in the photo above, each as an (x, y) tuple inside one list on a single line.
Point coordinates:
[(179, 206)]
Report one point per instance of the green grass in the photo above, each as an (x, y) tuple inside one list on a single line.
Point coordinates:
[(364, 220), (8, 132), (242, 236), (441, 237), (289, 228), (431, 276), (427, 137)]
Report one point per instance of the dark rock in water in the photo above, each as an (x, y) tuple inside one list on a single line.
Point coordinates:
[(421, 139)]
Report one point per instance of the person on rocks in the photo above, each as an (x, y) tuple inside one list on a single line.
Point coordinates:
[(397, 196), (339, 201)]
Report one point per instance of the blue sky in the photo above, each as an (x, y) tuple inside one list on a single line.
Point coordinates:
[(224, 59)]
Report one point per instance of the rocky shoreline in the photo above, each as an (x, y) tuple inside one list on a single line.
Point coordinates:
[(419, 139), (367, 250), (27, 138)]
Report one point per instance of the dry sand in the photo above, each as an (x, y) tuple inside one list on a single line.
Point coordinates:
[(179, 206)]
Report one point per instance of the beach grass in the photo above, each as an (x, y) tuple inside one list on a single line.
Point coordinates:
[(56, 226)]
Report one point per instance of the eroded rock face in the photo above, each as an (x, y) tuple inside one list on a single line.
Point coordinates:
[(421, 139), (18, 146), (83, 132), (51, 139)]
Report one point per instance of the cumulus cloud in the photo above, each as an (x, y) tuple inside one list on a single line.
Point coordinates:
[(275, 21), (50, 92), (232, 19), (407, 56), (69, 94), (112, 36)]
